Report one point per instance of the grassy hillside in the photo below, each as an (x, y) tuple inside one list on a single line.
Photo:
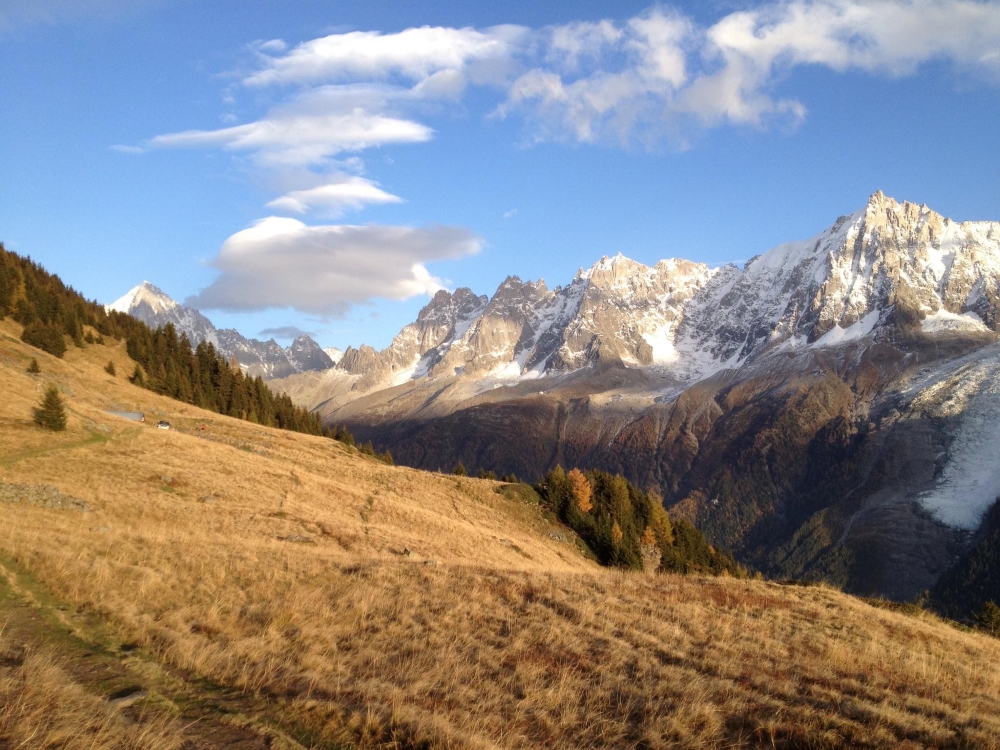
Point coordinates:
[(323, 599)]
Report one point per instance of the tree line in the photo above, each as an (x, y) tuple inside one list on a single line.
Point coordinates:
[(166, 362)]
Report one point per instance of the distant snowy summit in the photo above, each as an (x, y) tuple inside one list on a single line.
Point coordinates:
[(266, 359), (885, 262)]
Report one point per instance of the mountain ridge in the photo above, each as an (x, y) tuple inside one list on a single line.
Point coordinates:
[(268, 359), (835, 286)]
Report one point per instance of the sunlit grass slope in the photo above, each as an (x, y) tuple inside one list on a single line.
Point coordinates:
[(382, 606)]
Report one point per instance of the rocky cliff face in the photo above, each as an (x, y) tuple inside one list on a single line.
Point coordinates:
[(264, 358), (823, 411)]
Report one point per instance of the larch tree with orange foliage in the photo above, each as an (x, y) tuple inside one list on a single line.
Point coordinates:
[(582, 490)]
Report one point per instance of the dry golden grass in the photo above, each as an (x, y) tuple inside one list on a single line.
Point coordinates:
[(291, 582), (41, 707)]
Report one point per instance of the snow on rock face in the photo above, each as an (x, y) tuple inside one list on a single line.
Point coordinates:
[(264, 358), (845, 281), (304, 354), (970, 480), (155, 308), (418, 345), (146, 294), (842, 285)]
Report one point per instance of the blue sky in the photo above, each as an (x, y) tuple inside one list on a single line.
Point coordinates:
[(326, 166)]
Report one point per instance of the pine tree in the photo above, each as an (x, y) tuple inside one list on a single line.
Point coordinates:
[(51, 414), (138, 378), (45, 337), (33, 367), (460, 470), (988, 618), (109, 368)]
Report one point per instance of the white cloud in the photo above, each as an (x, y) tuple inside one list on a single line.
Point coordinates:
[(272, 45), (510, 214), (311, 129), (348, 192), (752, 49), (325, 270), (643, 78), (127, 149), (415, 54), (571, 44)]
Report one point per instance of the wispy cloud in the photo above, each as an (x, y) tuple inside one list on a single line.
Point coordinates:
[(649, 80), (416, 54), (310, 130), (660, 72), (128, 149), (324, 270), (334, 198), (641, 80), (285, 332), (510, 214)]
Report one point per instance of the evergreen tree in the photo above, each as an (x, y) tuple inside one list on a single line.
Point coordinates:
[(138, 378), (616, 520), (459, 470), (46, 337), (109, 368), (33, 367), (52, 413), (988, 618)]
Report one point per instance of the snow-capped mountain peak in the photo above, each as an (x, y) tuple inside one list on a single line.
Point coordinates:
[(264, 358), (153, 297)]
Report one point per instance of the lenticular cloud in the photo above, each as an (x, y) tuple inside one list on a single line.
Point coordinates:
[(324, 270)]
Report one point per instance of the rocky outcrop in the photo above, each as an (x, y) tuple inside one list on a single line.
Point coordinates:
[(304, 354), (42, 495)]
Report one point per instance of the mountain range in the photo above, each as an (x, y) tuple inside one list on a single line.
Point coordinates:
[(827, 411), (268, 359)]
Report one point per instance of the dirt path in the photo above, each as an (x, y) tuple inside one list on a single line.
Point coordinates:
[(211, 716)]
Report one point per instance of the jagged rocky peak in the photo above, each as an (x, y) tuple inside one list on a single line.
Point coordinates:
[(445, 313), (888, 263), (503, 333), (305, 354), (448, 307), (360, 360)]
